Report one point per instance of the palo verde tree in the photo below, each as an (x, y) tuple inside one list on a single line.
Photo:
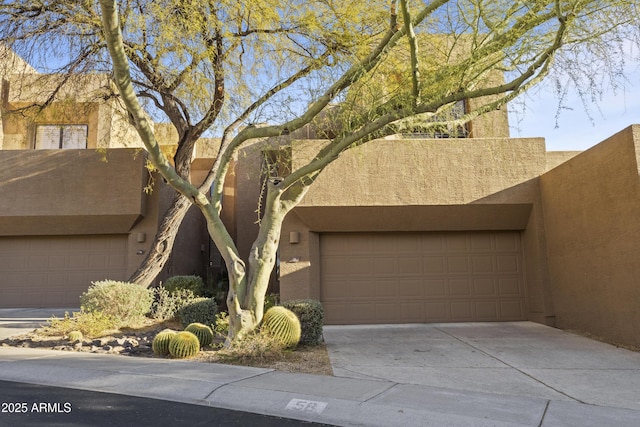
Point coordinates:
[(221, 67)]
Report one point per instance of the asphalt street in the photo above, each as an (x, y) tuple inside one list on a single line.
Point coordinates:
[(25, 405)]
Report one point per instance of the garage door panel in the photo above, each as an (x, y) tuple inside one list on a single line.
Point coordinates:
[(510, 287), (512, 310), (462, 311), (459, 288), (57, 262), (437, 311), (53, 271), (412, 312), (457, 265), (486, 310), (482, 264), (385, 266), (433, 244), (384, 289), (439, 277), (484, 287), (435, 288), (481, 243), (412, 288), (456, 242), (434, 265), (410, 266), (507, 242)]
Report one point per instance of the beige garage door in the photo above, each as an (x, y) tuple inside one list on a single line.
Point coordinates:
[(54, 271), (421, 277)]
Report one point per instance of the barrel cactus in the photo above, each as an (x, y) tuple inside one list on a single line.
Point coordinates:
[(283, 325), (203, 332), (75, 336), (160, 344), (184, 345)]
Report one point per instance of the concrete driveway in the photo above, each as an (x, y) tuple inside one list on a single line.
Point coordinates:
[(517, 359)]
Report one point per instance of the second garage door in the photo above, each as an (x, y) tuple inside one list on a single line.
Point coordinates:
[(53, 271), (421, 277)]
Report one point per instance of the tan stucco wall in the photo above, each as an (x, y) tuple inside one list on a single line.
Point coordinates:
[(65, 184), (591, 210), (422, 172)]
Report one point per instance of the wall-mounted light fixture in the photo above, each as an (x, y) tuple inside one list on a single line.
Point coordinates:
[(141, 237), (294, 237)]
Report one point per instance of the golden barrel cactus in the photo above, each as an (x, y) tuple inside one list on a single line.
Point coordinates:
[(203, 332), (184, 345), (283, 325), (160, 344)]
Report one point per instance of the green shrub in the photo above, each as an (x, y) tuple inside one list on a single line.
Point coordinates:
[(160, 344), (200, 310), (221, 326), (166, 304), (184, 345), (193, 283), (283, 325), (125, 302), (203, 332), (271, 300), (75, 336), (311, 315), (90, 324)]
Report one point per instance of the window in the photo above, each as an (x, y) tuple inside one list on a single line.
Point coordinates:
[(61, 136), (446, 131)]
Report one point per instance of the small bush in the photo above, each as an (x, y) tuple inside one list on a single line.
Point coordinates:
[(253, 348), (221, 326), (125, 302), (271, 300), (90, 324), (311, 315), (166, 304), (193, 283), (282, 324), (200, 310)]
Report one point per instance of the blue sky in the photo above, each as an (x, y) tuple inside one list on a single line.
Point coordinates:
[(575, 128)]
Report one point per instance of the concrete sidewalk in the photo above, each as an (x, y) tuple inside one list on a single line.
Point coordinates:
[(325, 399)]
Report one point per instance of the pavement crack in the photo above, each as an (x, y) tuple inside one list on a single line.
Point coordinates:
[(373, 377), (392, 385), (236, 381), (546, 408), (511, 366)]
